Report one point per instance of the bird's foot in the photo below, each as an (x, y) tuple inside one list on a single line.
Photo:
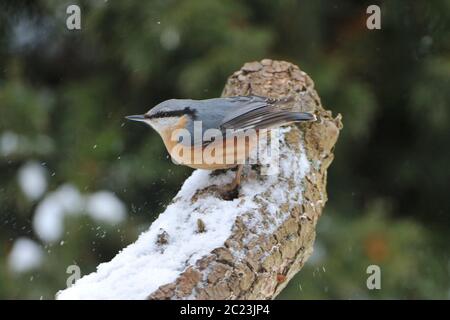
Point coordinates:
[(229, 191)]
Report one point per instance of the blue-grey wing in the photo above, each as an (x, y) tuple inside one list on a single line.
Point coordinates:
[(241, 113), (211, 114), (261, 113)]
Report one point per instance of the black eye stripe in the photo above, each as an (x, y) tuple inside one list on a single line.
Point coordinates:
[(175, 113)]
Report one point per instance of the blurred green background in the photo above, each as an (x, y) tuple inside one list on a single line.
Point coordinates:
[(77, 183)]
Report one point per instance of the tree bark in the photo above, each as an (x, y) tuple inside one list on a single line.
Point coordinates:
[(265, 250)]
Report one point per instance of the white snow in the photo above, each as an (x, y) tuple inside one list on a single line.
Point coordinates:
[(12, 143), (9, 143), (145, 265), (69, 198), (48, 220), (25, 255), (105, 206), (32, 178)]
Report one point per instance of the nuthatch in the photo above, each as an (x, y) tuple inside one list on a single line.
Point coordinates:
[(216, 118)]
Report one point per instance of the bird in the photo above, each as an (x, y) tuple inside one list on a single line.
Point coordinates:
[(190, 129)]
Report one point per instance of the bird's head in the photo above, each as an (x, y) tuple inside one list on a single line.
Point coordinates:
[(165, 115)]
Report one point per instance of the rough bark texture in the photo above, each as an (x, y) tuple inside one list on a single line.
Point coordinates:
[(251, 265)]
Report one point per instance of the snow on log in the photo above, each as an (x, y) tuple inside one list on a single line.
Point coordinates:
[(204, 247)]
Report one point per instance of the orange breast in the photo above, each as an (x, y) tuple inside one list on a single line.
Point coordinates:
[(220, 154)]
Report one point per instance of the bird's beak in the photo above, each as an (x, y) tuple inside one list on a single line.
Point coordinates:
[(138, 117)]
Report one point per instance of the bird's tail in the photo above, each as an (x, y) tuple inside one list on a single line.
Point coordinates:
[(269, 113), (291, 110), (282, 118), (289, 103)]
